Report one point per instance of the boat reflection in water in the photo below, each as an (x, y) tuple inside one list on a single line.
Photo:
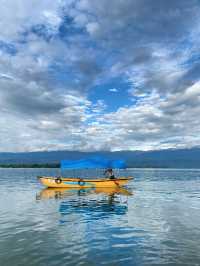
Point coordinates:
[(92, 203), (60, 193)]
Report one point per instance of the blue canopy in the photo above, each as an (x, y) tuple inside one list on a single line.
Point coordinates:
[(92, 163)]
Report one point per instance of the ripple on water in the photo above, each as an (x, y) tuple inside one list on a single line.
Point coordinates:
[(157, 225)]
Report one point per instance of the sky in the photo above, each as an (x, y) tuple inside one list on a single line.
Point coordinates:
[(94, 75)]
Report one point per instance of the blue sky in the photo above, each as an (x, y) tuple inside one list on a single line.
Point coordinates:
[(114, 93), (96, 75)]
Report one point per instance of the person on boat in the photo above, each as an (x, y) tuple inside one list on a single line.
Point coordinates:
[(109, 173)]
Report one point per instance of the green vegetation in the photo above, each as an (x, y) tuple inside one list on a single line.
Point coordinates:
[(34, 165)]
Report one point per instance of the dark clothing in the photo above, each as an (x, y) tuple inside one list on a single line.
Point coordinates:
[(109, 174)]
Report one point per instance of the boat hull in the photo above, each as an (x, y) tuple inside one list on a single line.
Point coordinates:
[(82, 183)]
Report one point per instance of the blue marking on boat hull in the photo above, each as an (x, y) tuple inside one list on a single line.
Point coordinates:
[(78, 184)]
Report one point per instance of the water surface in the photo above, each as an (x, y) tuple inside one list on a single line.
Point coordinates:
[(155, 222)]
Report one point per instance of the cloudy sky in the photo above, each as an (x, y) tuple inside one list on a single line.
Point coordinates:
[(99, 75)]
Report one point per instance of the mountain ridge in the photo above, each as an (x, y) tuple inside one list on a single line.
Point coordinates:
[(168, 158)]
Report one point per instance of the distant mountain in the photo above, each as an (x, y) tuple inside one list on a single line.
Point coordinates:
[(171, 158)]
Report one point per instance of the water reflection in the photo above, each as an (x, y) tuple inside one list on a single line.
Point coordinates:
[(60, 193), (91, 203)]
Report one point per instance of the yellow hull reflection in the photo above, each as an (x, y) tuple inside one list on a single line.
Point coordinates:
[(62, 182), (60, 193)]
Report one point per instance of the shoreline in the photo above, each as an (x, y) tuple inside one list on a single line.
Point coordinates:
[(57, 165)]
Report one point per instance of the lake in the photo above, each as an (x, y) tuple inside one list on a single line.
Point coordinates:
[(155, 221)]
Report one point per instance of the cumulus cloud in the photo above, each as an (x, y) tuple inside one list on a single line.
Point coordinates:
[(18, 16), (54, 53), (153, 123)]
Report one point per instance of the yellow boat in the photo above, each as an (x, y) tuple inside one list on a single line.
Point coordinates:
[(62, 182), (91, 163)]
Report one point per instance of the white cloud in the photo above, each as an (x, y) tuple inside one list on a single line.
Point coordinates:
[(18, 16), (193, 90), (92, 28), (147, 125), (6, 76), (113, 90)]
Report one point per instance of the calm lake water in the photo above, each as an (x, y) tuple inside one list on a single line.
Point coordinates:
[(155, 222)]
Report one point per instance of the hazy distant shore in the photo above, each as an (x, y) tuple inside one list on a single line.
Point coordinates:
[(29, 165), (169, 158), (57, 165)]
